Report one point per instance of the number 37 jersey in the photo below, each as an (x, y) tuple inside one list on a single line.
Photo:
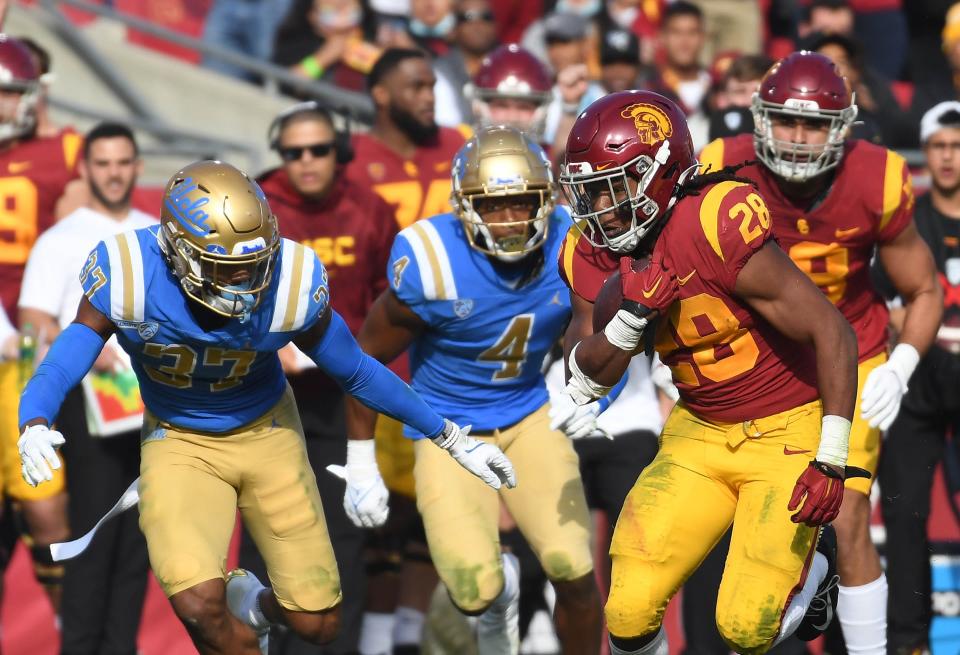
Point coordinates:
[(728, 362), (478, 360), (208, 380)]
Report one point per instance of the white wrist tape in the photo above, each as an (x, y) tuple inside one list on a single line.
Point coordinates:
[(361, 456), (904, 360), (580, 387), (625, 330), (834, 440), (450, 436)]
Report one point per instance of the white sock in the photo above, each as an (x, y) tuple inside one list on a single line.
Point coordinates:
[(376, 634), (408, 627), (656, 647), (801, 601), (511, 585), (863, 617)]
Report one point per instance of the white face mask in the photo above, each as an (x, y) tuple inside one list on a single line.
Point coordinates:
[(335, 20), (585, 9), (441, 29)]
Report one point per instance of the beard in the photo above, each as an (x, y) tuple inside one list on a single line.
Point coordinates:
[(112, 205), (416, 131)]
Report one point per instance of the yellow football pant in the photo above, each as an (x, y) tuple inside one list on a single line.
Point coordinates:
[(705, 476), (864, 440), (460, 512), (192, 484)]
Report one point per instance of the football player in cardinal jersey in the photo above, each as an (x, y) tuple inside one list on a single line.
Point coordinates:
[(34, 173), (201, 304), (834, 202), (765, 367)]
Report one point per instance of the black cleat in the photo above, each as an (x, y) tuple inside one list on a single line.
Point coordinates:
[(824, 604)]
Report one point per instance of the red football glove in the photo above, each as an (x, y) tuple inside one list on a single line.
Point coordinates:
[(652, 288), (820, 488)]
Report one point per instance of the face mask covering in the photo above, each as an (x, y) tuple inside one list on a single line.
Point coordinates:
[(587, 10), (332, 19), (438, 31)]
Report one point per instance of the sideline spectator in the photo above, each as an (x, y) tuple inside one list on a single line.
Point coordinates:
[(935, 88), (619, 61), (881, 27), (432, 24), (474, 38), (245, 27), (731, 25), (731, 113), (104, 588), (328, 40)]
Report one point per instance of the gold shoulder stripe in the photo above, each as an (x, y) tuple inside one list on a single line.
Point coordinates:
[(293, 294), (71, 148), (711, 157), (710, 213), (126, 263), (892, 186), (432, 259), (570, 247), (465, 131)]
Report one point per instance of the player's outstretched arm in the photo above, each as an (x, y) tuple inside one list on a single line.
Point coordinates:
[(70, 358), (784, 296), (909, 265)]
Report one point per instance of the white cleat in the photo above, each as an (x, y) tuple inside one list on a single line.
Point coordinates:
[(243, 588), (498, 629)]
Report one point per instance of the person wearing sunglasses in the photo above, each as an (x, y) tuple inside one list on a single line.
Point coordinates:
[(351, 229)]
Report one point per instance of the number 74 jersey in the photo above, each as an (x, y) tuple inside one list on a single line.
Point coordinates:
[(728, 362)]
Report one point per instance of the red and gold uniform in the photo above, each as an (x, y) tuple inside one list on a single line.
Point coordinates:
[(33, 175), (869, 202), (731, 451), (415, 188)]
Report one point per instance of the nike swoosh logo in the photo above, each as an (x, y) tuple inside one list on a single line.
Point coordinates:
[(789, 451), (19, 166), (845, 233), (653, 289), (686, 278), (600, 167)]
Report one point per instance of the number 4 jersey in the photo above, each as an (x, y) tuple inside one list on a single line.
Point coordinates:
[(870, 201), (195, 377), (728, 362), (489, 325)]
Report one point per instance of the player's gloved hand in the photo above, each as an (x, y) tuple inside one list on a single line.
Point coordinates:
[(820, 490), (366, 498), (645, 292), (38, 453), (885, 386), (484, 460), (576, 421), (662, 378)]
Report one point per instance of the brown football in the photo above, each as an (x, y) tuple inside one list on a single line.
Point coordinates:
[(610, 297)]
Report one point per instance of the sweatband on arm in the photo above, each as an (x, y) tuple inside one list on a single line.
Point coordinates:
[(338, 354), (834, 440), (70, 358), (607, 400)]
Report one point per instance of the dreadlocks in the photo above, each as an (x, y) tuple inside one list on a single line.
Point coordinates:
[(693, 185)]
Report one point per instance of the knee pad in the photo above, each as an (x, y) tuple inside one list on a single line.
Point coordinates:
[(630, 612), (473, 589)]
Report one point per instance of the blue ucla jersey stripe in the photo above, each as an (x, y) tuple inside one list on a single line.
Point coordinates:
[(209, 381), (479, 362)]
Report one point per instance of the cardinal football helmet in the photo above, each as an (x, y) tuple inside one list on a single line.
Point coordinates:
[(512, 73), (500, 162), (219, 237), (18, 75), (634, 148), (803, 85)]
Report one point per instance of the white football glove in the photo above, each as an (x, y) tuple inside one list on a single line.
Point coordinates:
[(483, 459), (576, 421), (885, 386), (38, 453), (366, 498), (662, 378)]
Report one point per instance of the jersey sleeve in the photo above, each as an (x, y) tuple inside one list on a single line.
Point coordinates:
[(95, 279), (404, 275), (314, 297), (736, 223), (711, 157), (898, 199)]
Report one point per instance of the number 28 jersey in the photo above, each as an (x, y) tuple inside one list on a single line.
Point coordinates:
[(870, 202), (728, 362), (208, 380), (479, 359)]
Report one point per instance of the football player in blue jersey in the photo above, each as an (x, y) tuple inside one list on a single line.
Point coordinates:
[(201, 305), (476, 297)]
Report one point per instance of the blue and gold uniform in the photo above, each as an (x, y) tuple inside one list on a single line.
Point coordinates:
[(489, 326)]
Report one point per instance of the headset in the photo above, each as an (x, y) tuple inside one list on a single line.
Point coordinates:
[(341, 137)]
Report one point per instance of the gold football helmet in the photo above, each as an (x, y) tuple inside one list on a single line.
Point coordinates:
[(503, 192), (218, 236)]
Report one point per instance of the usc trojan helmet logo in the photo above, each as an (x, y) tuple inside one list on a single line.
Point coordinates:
[(651, 122)]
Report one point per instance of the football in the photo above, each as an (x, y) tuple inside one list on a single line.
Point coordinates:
[(610, 296)]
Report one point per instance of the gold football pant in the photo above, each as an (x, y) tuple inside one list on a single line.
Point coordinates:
[(864, 440), (705, 476), (191, 486), (460, 512), (13, 483)]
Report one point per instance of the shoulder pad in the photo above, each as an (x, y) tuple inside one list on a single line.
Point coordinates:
[(302, 291)]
